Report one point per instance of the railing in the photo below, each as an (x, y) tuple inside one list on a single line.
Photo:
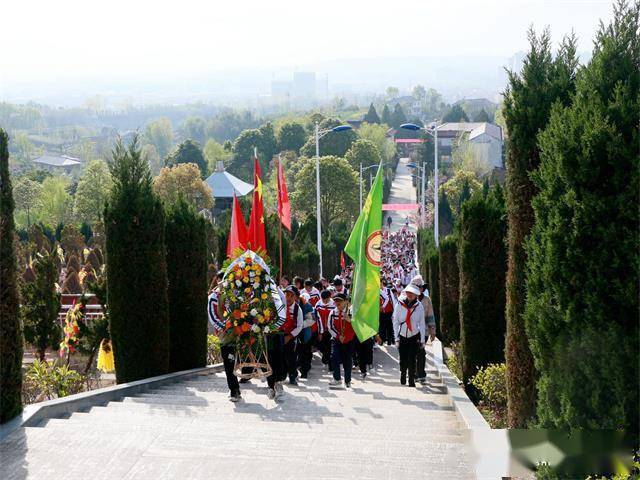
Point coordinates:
[(93, 308)]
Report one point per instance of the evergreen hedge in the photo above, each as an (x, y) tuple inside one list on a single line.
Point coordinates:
[(527, 106), (449, 284), (482, 262), (11, 340), (582, 256), (434, 287), (185, 236), (136, 269)]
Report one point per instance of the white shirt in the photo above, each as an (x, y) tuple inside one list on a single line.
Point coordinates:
[(314, 294), (400, 326), (387, 296)]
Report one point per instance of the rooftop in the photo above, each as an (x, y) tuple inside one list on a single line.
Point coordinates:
[(473, 128), (225, 185), (57, 160)]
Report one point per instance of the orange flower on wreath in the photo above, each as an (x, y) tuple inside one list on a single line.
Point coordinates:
[(237, 314)]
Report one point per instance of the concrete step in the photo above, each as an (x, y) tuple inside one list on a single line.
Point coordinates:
[(424, 408), (104, 423), (138, 414), (425, 401), (54, 431)]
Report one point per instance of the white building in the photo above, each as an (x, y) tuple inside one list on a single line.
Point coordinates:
[(485, 139)]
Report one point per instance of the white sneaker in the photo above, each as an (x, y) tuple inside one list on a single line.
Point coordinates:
[(333, 383), (235, 398), (363, 375), (271, 394)]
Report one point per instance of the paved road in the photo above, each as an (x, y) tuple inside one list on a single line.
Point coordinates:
[(402, 191), (377, 430)]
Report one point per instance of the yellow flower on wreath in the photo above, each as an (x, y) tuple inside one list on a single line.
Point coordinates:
[(263, 296)]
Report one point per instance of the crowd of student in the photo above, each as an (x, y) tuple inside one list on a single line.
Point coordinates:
[(318, 317)]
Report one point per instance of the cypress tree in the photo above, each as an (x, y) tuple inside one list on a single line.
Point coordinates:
[(582, 255), (398, 117), (11, 340), (372, 115), (434, 287), (482, 264), (187, 292), (527, 106), (136, 269), (41, 304), (386, 116), (449, 290)]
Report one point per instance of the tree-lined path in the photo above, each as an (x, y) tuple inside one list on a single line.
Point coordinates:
[(378, 429), (402, 191)]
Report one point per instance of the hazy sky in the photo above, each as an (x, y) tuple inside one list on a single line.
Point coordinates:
[(140, 36)]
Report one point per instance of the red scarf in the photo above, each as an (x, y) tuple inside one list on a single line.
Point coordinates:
[(407, 320)]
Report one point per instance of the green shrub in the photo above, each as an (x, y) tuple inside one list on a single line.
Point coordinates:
[(187, 292), (482, 262), (491, 382), (136, 269), (453, 361), (449, 283), (46, 381), (213, 350), (11, 340)]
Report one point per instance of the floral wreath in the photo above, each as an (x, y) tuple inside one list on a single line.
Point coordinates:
[(252, 304)]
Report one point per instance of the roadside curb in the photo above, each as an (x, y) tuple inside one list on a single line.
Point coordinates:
[(34, 413), (464, 407)]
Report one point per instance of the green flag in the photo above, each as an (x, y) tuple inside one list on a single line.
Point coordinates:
[(364, 248)]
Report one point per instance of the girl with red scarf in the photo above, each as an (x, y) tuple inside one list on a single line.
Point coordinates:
[(409, 332)]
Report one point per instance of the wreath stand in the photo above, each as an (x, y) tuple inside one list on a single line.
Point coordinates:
[(250, 364)]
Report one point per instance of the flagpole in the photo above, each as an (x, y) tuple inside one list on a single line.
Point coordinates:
[(279, 223)]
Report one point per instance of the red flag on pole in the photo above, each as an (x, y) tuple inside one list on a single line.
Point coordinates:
[(284, 207), (238, 234), (343, 263), (257, 237)]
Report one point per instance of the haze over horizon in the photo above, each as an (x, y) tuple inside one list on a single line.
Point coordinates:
[(194, 51)]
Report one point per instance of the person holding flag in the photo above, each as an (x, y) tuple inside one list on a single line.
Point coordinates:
[(364, 248)]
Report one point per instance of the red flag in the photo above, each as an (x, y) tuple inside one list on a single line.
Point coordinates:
[(284, 207), (238, 234), (257, 238), (343, 264)]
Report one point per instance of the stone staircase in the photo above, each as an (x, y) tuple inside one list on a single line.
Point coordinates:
[(376, 430)]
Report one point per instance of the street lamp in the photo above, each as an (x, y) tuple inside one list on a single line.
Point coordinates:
[(319, 135), (433, 131), (362, 169)]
